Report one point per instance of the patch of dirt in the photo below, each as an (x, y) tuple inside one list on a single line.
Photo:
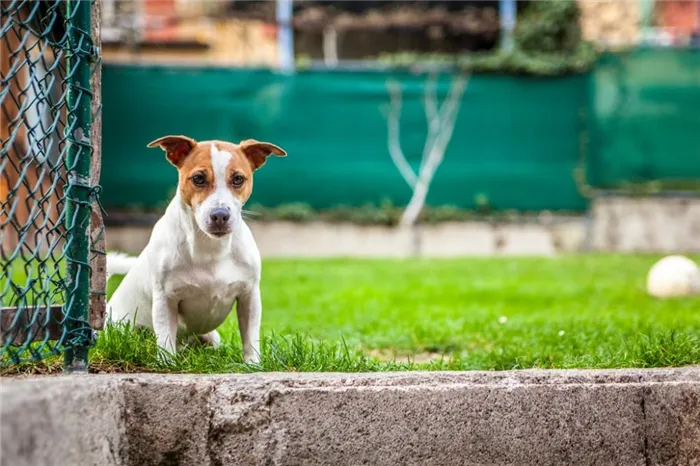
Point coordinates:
[(44, 368), (403, 357)]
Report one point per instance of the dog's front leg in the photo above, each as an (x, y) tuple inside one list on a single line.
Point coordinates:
[(165, 323), (249, 310)]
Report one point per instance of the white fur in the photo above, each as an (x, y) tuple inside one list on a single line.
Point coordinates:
[(119, 263), (185, 282), (221, 196)]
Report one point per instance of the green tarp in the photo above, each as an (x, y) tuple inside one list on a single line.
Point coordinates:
[(517, 141), (645, 117)]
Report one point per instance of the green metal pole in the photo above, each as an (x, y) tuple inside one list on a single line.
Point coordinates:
[(79, 100)]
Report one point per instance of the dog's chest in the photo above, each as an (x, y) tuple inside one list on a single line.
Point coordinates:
[(206, 294)]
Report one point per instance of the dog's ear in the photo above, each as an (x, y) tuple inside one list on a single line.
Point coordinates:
[(176, 148), (257, 152)]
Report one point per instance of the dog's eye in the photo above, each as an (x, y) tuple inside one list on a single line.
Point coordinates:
[(199, 179), (238, 180)]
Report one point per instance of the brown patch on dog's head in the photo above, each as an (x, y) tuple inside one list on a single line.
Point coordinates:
[(196, 176), (257, 152), (193, 162), (176, 148)]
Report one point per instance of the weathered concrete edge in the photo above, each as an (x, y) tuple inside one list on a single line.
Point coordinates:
[(516, 417), (661, 224)]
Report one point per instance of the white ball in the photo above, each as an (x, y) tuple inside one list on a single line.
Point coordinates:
[(673, 277)]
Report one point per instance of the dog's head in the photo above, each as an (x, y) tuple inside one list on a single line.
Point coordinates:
[(216, 178)]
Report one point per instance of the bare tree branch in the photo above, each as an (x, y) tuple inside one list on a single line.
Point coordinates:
[(435, 154), (451, 109), (441, 119), (432, 115), (431, 103), (394, 139)]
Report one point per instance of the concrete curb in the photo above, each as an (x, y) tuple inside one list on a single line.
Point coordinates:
[(661, 223), (619, 417), (450, 239)]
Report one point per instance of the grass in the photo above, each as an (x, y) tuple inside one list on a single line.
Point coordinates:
[(31, 282), (491, 313)]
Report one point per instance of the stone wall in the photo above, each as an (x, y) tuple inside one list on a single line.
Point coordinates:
[(621, 417), (649, 224), (615, 224), (316, 239)]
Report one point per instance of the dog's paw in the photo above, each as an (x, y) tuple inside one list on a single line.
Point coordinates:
[(212, 338), (166, 359), (252, 358), (166, 355)]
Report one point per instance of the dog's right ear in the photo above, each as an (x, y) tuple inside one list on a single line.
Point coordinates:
[(176, 148)]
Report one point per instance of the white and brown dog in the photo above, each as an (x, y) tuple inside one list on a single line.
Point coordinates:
[(201, 257)]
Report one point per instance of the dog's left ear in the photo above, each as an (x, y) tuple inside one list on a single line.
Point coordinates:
[(257, 152), (176, 148)]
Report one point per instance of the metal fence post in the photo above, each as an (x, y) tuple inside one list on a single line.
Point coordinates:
[(285, 35), (507, 12), (79, 191)]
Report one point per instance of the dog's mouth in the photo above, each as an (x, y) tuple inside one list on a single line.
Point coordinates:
[(219, 233)]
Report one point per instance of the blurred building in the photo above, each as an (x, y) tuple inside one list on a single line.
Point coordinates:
[(622, 23), (186, 31), (680, 19), (244, 33)]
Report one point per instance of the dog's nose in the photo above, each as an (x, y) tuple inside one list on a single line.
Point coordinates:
[(220, 216)]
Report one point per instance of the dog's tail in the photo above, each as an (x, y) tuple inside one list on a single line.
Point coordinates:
[(119, 263)]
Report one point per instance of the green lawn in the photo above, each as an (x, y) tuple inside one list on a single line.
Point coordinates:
[(491, 313)]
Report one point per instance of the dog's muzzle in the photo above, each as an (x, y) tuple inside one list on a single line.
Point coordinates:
[(219, 221)]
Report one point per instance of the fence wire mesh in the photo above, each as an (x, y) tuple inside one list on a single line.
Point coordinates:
[(46, 60)]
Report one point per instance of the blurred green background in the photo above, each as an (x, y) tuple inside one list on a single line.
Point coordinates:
[(517, 143)]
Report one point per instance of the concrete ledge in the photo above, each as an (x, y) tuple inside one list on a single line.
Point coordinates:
[(663, 224), (660, 224), (318, 239), (630, 417)]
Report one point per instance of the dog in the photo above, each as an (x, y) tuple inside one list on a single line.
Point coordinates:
[(201, 257)]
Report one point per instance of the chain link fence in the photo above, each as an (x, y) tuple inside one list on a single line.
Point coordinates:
[(52, 259)]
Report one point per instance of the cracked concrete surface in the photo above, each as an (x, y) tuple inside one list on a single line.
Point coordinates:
[(619, 417)]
